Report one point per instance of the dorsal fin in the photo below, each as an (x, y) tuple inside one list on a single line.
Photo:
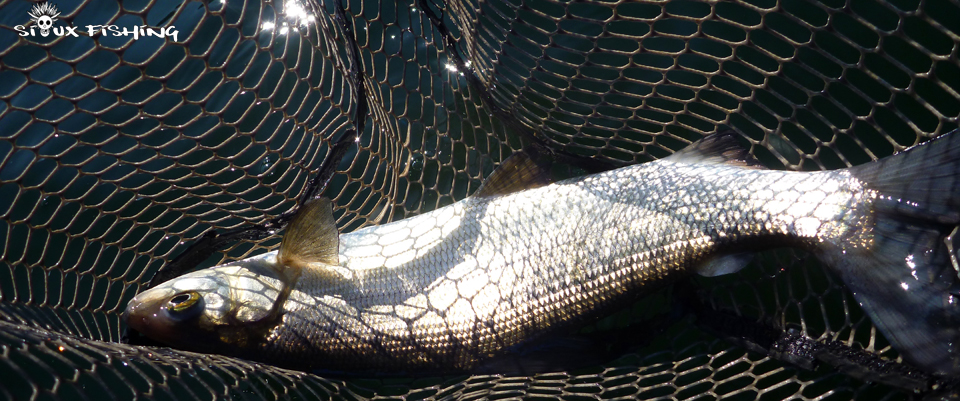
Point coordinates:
[(311, 237), (517, 173), (718, 148)]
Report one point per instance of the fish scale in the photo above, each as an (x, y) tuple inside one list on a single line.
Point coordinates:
[(449, 289), (553, 256)]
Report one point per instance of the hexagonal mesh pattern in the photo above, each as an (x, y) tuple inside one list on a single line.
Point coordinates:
[(118, 153)]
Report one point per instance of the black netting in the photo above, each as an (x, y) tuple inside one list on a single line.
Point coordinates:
[(118, 153)]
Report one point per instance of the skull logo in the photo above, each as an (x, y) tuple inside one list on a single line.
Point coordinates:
[(45, 23), (44, 15)]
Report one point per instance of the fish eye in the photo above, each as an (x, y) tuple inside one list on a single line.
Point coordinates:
[(185, 304)]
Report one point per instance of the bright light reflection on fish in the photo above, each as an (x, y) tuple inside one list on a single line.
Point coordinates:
[(448, 289)]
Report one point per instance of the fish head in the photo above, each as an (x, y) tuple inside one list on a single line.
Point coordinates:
[(234, 308), (220, 309)]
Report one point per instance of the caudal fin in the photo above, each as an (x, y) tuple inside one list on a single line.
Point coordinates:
[(922, 182), (906, 279)]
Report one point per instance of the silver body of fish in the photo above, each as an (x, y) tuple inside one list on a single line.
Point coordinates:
[(452, 287)]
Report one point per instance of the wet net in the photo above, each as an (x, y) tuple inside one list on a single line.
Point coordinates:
[(118, 152)]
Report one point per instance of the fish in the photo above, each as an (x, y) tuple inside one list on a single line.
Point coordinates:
[(524, 257)]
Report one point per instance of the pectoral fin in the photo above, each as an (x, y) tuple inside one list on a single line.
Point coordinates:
[(311, 237)]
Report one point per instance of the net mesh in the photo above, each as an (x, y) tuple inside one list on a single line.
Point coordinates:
[(118, 153)]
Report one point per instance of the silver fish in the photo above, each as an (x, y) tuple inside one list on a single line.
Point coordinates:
[(448, 289)]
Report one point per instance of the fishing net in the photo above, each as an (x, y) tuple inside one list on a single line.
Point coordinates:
[(118, 153)]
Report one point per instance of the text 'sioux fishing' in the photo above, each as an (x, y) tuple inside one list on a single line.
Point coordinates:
[(521, 258)]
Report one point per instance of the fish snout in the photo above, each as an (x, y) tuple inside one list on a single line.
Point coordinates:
[(145, 313), (137, 314)]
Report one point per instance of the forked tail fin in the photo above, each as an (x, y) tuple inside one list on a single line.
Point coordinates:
[(906, 279)]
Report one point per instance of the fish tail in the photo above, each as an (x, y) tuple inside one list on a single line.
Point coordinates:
[(906, 275), (921, 182)]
